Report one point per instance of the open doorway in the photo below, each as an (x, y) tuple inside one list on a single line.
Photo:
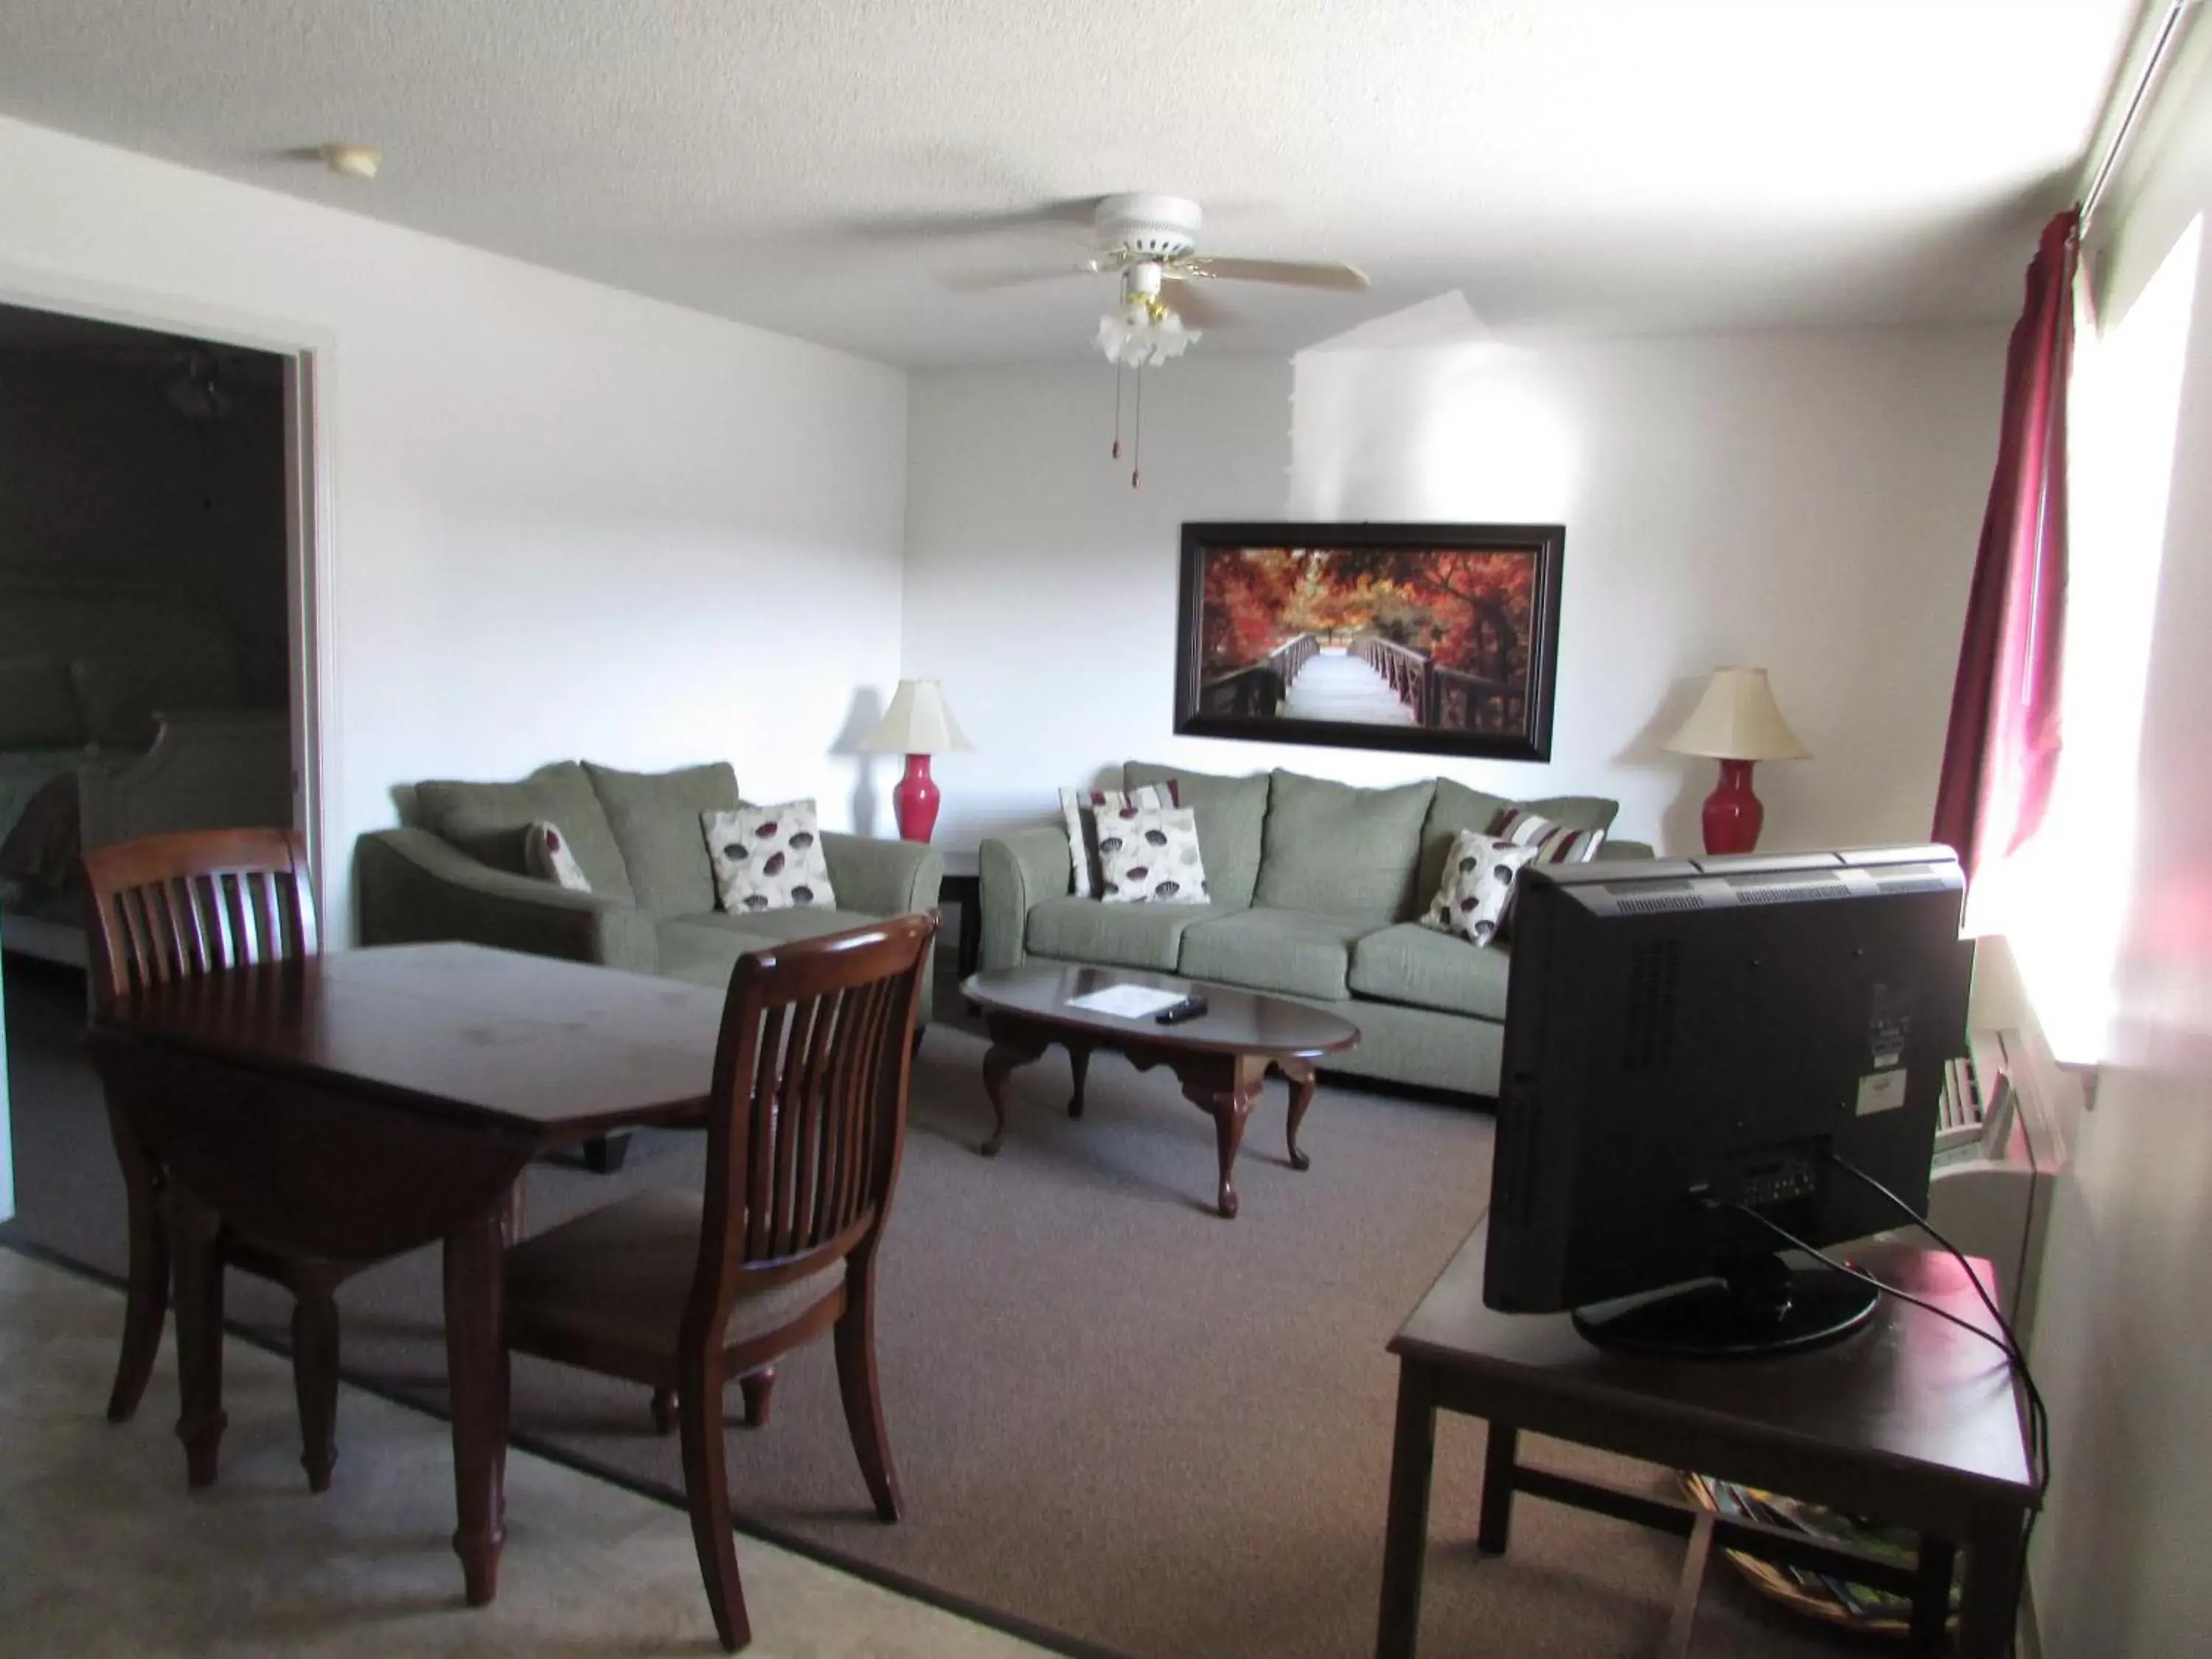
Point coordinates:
[(150, 569)]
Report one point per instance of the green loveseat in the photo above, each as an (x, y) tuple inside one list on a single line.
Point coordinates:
[(1316, 886), (456, 872)]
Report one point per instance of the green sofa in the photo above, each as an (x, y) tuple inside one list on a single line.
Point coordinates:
[(1316, 886), (456, 872)]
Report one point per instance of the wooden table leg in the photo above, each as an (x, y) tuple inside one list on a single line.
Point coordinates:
[(1493, 1527), (1229, 1108), (197, 1297), (1011, 1046), (1931, 1595), (1300, 1074), (475, 1366), (1989, 1601), (1079, 1067), (1406, 1531)]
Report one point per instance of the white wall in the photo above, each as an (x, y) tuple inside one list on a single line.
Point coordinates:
[(565, 521), (2123, 1327), (1808, 501)]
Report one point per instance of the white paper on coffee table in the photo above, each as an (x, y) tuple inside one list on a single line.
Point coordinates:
[(1127, 1001)]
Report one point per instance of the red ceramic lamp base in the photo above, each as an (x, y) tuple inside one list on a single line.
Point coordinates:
[(916, 800), (1732, 814)]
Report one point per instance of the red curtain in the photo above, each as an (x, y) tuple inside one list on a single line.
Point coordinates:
[(2002, 751)]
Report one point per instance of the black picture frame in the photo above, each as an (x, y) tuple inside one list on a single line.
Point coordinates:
[(1457, 625)]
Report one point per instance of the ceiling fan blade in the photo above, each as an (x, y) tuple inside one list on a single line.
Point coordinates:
[(1198, 308), (1070, 214), (987, 282), (1290, 273)]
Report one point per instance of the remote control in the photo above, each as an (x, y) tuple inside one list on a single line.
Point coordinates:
[(1175, 1012)]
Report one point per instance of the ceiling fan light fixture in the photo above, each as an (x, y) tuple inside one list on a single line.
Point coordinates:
[(1144, 332)]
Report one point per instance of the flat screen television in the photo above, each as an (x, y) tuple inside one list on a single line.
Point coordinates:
[(1688, 1041)]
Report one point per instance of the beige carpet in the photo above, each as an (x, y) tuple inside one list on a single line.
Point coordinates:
[(1121, 1422)]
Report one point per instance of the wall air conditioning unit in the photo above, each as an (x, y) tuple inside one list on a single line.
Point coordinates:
[(2009, 1114)]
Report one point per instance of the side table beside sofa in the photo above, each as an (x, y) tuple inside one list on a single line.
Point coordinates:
[(1315, 887)]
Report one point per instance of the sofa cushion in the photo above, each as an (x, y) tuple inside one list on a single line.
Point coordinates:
[(486, 821), (1425, 968), (1114, 935), (1231, 811), (1456, 807), (704, 955), (654, 816), (1340, 851), (1297, 952), (704, 949), (1477, 890)]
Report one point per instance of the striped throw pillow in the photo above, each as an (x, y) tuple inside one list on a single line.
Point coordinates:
[(1554, 842)]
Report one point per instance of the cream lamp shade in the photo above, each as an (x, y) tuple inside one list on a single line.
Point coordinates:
[(1737, 720), (918, 723)]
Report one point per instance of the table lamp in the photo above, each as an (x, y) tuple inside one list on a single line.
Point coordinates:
[(1736, 723), (918, 724)]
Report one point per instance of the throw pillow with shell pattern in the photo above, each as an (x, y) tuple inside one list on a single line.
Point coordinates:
[(1478, 885), (1149, 855), (1080, 809), (545, 854), (769, 858)]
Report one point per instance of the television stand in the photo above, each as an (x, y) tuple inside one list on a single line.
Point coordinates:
[(1919, 1427), (1764, 1306)]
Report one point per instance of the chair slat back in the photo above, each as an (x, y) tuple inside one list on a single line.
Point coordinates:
[(167, 908), (809, 1106)]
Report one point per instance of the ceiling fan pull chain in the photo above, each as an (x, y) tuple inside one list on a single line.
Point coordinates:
[(1117, 411), (1137, 434)]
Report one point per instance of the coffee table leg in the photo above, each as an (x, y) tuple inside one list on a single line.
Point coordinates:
[(1405, 1532), (1079, 1066), (1229, 1108), (1300, 1074), (1010, 1048)]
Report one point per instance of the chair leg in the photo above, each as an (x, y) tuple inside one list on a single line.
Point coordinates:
[(706, 1495), (855, 1343), (664, 1411), (315, 1380), (146, 1292), (757, 1387)]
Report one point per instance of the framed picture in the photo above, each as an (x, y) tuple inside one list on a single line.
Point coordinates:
[(1441, 638)]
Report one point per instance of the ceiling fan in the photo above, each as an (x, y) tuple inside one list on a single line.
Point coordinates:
[(1151, 240)]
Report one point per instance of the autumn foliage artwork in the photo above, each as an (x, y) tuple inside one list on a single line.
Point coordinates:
[(1433, 637)]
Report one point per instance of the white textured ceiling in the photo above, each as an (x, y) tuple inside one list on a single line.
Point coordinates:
[(832, 169)]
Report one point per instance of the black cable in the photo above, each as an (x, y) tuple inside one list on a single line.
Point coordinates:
[(2039, 1414), (2003, 1340)]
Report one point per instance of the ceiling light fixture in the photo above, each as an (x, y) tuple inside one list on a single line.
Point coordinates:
[(1144, 331), (352, 161)]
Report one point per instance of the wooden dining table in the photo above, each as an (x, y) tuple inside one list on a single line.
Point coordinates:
[(353, 1107)]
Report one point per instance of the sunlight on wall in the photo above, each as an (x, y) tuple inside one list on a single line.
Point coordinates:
[(1463, 433), (2065, 930)]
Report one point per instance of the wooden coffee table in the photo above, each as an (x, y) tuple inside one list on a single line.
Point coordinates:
[(1221, 1058)]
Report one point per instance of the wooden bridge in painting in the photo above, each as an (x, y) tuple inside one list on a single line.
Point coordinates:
[(1362, 679)]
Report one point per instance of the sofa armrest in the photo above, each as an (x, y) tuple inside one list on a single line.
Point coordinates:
[(1020, 870), (882, 878), (411, 884), (1610, 848)]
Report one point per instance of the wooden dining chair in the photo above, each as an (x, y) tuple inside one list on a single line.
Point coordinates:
[(684, 1291), (168, 907)]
